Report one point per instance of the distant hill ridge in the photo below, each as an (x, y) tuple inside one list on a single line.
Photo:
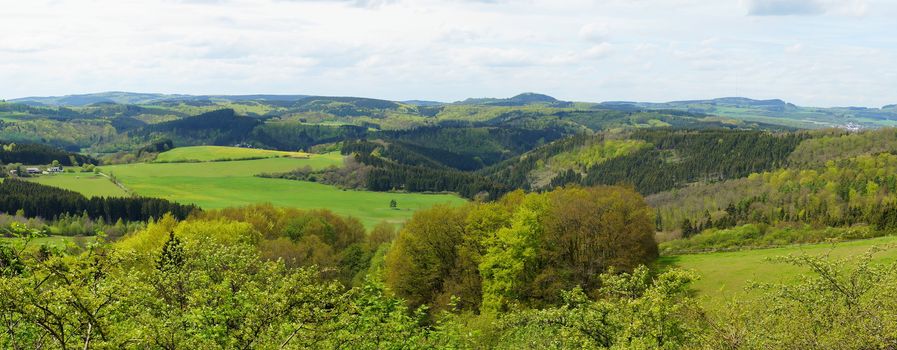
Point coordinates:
[(774, 111), (122, 97)]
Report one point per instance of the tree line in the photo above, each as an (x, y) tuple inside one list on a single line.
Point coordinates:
[(36, 200), (35, 154)]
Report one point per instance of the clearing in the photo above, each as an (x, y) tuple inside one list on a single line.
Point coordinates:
[(221, 153), (212, 185)]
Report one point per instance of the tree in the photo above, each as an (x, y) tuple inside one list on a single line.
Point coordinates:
[(172, 256), (634, 311), (687, 229), (511, 257), (393, 204), (425, 254), (590, 231)]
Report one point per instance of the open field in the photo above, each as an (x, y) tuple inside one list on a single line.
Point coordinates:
[(226, 184), (51, 241), (240, 168), (88, 184), (727, 275), (218, 153)]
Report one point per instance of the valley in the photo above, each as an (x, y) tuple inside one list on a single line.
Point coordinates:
[(507, 212)]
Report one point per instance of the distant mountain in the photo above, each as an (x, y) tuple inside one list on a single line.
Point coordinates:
[(738, 102), (423, 103), (527, 98), (89, 99), (773, 111)]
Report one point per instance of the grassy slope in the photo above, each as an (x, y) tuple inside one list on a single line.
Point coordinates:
[(87, 184), (226, 184), (727, 275), (213, 153)]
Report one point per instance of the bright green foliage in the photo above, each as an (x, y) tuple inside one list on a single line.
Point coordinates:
[(424, 254), (205, 283), (523, 250), (592, 154), (636, 311), (836, 145), (510, 256), (196, 288), (859, 190)]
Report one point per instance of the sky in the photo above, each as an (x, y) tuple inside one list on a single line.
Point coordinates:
[(809, 52)]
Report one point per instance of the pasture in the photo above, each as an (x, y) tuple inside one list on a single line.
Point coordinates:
[(728, 275), (51, 241), (221, 153), (88, 184), (212, 185)]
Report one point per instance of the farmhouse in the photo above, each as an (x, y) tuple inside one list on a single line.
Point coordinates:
[(55, 169), (32, 170)]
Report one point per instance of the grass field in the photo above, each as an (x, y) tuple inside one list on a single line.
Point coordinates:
[(727, 275), (213, 185), (217, 153), (87, 184), (51, 241)]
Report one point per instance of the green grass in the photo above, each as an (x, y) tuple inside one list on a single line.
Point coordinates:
[(227, 184), (87, 184), (242, 168), (217, 153), (50, 241), (725, 276)]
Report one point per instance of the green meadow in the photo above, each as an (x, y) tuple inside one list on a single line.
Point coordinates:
[(51, 241), (212, 185), (218, 153), (725, 276), (88, 184)]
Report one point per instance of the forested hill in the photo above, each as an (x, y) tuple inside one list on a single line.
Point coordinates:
[(649, 160), (115, 122), (34, 153)]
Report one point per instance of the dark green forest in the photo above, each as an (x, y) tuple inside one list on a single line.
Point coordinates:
[(36, 200)]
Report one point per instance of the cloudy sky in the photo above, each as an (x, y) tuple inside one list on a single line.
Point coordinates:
[(810, 52)]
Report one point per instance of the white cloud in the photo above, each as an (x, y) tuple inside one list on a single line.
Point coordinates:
[(595, 32), (793, 49), (452, 49), (598, 51)]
